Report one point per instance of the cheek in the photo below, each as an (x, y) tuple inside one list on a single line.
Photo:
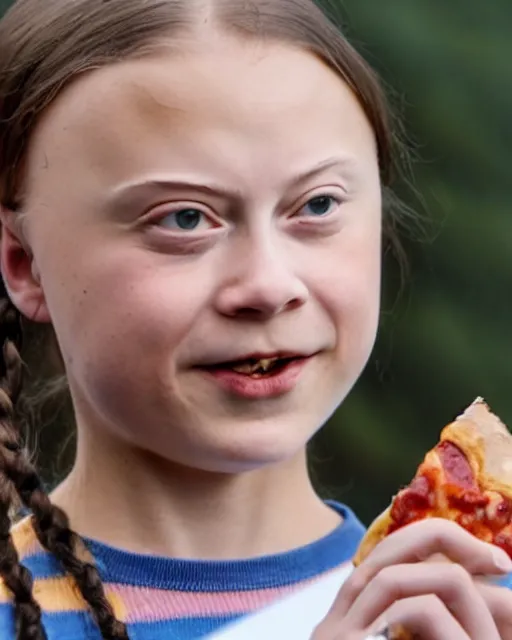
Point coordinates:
[(121, 329), (348, 276), (348, 286), (124, 304)]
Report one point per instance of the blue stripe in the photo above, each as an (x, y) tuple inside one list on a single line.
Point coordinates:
[(265, 572), (505, 581), (72, 625), (43, 565), (199, 576), (79, 626), (7, 630)]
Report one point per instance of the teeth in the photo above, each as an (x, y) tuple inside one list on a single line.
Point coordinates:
[(266, 363), (244, 368), (259, 366)]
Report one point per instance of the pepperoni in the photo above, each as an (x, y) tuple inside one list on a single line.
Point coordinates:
[(417, 497), (470, 507), (419, 492), (456, 466)]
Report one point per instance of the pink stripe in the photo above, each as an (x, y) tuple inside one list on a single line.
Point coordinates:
[(149, 605)]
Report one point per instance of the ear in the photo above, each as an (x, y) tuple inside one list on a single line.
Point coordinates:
[(19, 270)]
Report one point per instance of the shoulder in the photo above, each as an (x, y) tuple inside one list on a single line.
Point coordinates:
[(24, 538), (55, 592), (26, 544)]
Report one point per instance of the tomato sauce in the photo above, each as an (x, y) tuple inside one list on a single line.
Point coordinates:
[(500, 516), (504, 541), (472, 509), (466, 501)]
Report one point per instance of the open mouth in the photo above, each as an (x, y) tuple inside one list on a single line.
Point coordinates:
[(258, 378), (256, 367)]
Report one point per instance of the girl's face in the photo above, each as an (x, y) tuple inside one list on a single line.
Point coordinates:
[(193, 209)]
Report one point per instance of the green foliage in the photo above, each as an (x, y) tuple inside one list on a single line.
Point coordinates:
[(447, 339)]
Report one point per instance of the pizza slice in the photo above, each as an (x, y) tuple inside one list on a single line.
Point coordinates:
[(466, 478)]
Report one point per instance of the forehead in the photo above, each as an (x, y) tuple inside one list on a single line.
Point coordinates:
[(214, 101)]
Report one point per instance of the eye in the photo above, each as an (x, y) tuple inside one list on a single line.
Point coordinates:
[(320, 206), (186, 219)]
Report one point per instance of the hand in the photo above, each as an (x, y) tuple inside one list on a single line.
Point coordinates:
[(396, 585), (499, 602)]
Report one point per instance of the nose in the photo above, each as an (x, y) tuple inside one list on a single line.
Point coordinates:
[(261, 284)]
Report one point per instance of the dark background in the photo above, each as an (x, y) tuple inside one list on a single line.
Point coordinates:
[(446, 338)]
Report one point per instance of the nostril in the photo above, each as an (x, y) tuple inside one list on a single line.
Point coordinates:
[(260, 299), (294, 304)]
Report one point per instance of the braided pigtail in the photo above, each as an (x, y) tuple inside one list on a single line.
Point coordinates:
[(51, 524), (15, 576)]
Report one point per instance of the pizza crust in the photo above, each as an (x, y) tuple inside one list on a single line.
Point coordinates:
[(487, 445), (376, 533), (483, 435)]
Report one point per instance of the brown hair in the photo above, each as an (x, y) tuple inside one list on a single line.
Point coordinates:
[(44, 45)]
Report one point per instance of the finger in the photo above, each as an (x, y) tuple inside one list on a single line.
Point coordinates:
[(418, 542), (329, 632), (449, 582), (499, 603), (435, 536), (426, 617)]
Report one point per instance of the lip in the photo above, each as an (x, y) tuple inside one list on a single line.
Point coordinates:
[(260, 355), (266, 387), (253, 355)]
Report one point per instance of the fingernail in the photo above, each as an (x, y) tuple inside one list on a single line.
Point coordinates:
[(502, 561)]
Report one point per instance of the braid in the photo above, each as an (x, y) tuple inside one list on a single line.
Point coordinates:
[(51, 524), (16, 577)]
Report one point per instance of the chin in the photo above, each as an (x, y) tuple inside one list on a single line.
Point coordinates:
[(254, 447)]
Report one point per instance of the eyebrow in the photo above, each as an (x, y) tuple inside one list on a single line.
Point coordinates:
[(126, 193), (346, 162)]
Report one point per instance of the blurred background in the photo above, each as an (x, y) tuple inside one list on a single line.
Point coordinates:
[(445, 337)]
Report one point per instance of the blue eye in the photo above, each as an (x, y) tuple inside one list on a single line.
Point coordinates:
[(185, 220), (320, 206)]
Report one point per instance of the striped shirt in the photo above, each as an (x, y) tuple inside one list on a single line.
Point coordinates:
[(167, 598)]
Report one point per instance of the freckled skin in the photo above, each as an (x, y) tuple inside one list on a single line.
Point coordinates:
[(250, 119)]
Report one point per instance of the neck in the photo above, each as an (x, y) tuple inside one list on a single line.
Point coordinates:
[(162, 508)]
